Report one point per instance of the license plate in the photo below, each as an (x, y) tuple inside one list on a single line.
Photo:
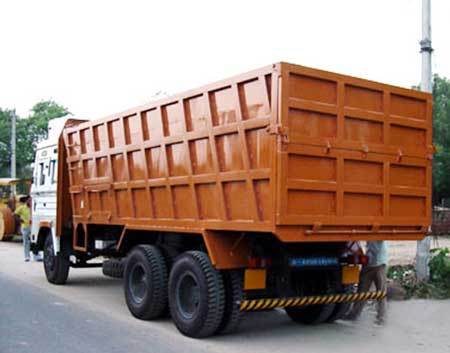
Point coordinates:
[(350, 274)]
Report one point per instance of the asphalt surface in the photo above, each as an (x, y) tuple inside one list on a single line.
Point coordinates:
[(35, 321), (89, 315)]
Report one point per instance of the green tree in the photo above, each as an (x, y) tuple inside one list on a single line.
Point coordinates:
[(29, 131), (5, 141), (441, 138)]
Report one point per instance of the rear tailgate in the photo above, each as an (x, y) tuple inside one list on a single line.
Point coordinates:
[(355, 156)]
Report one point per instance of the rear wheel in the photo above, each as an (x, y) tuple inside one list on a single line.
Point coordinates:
[(145, 282), (310, 315), (113, 268), (170, 254), (56, 266), (196, 295), (233, 296), (313, 284), (341, 309)]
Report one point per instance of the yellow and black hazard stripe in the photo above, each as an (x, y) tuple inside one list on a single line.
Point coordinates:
[(271, 303)]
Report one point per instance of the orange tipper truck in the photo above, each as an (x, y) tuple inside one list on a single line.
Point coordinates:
[(243, 195)]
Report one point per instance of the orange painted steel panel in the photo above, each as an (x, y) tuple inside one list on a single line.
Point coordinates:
[(305, 154), (227, 250), (355, 162)]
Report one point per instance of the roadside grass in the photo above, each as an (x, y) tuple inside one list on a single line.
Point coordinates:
[(439, 285)]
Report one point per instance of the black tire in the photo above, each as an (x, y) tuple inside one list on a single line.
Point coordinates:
[(170, 254), (317, 284), (145, 282), (233, 296), (56, 267), (113, 268), (196, 295), (310, 315), (341, 309)]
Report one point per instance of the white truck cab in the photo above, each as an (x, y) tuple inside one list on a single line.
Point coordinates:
[(43, 188)]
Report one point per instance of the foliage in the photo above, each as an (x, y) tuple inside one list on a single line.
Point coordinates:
[(5, 138), (441, 138), (439, 285), (29, 131), (405, 276), (440, 266)]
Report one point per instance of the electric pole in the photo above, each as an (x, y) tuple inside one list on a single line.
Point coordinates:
[(423, 246), (13, 149)]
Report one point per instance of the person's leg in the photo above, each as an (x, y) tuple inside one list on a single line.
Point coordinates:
[(365, 281), (34, 257), (381, 285), (37, 257), (26, 243)]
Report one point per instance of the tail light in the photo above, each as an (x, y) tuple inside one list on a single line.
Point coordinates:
[(363, 260), (253, 262), (356, 260), (352, 259), (259, 262)]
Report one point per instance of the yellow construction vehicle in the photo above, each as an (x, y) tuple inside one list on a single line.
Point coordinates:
[(11, 190)]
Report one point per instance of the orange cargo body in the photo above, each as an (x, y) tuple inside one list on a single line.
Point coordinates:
[(304, 154)]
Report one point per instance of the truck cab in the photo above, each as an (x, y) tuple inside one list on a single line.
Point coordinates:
[(44, 186)]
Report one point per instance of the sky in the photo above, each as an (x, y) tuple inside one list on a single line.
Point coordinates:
[(101, 57)]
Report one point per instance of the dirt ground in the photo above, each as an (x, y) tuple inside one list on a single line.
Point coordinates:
[(404, 252)]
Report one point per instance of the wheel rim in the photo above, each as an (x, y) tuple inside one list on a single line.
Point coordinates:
[(49, 257), (188, 295), (138, 283)]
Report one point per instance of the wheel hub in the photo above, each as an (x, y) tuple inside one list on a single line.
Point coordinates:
[(188, 295), (138, 283)]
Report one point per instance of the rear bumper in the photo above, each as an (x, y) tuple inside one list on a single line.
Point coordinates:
[(272, 303)]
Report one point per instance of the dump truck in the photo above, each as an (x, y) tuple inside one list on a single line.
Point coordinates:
[(243, 195)]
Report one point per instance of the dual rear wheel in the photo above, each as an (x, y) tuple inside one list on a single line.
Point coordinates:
[(202, 300), (321, 313), (145, 282)]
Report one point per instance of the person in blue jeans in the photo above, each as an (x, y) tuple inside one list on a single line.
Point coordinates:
[(24, 213), (373, 273)]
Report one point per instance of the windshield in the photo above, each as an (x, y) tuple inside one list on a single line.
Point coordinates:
[(5, 191)]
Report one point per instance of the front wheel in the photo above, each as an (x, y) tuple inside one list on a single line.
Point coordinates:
[(56, 266)]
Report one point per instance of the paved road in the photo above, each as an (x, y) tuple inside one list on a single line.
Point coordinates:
[(89, 315), (35, 321)]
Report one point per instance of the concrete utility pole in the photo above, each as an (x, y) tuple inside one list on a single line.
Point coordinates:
[(13, 149), (423, 246)]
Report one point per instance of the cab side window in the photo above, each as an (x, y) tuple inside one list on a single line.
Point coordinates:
[(41, 174), (53, 171)]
